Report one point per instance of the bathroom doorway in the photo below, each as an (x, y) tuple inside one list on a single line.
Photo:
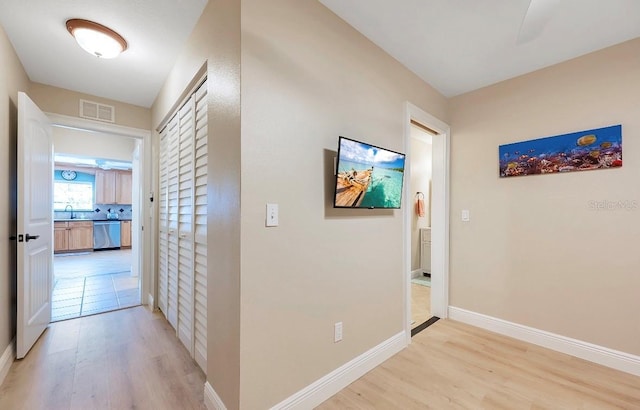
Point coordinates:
[(426, 230), (421, 140)]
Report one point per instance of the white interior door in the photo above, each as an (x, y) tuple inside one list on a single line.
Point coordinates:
[(35, 228)]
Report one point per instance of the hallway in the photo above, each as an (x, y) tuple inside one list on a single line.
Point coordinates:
[(124, 359)]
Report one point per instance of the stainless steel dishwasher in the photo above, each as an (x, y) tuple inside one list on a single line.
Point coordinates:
[(106, 235)]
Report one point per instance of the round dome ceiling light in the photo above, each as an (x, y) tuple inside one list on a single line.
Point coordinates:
[(96, 39)]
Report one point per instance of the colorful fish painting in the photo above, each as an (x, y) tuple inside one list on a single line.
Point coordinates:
[(599, 148)]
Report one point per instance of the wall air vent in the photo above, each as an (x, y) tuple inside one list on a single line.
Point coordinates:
[(96, 111)]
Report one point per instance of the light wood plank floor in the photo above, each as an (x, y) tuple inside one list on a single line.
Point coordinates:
[(127, 359), (451, 365)]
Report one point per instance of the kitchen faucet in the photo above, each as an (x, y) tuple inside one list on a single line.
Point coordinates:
[(66, 208)]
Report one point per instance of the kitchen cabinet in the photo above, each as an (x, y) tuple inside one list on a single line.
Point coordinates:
[(113, 187), (72, 236), (105, 187), (60, 237), (123, 187), (425, 250), (125, 234)]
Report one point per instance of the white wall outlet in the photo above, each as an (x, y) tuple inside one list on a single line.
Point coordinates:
[(272, 215), (465, 215), (337, 332)]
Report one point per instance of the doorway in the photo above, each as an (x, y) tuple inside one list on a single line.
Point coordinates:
[(421, 142), (93, 269), (109, 270), (431, 233)]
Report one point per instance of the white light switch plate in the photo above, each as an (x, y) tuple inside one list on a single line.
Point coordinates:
[(272, 215), (465, 215)]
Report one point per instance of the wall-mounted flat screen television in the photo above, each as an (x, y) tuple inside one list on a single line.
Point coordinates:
[(368, 176)]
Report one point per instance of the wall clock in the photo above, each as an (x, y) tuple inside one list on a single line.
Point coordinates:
[(69, 175)]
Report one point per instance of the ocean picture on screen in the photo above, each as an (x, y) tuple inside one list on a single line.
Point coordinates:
[(368, 176)]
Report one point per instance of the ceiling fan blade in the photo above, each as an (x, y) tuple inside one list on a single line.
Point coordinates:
[(536, 18)]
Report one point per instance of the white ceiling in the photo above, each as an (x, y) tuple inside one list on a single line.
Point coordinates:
[(462, 45), (454, 45), (155, 30)]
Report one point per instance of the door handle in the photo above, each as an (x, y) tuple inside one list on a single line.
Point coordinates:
[(28, 237)]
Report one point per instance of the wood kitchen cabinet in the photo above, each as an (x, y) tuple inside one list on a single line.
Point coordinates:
[(60, 237), (125, 234), (123, 187), (72, 236), (113, 187)]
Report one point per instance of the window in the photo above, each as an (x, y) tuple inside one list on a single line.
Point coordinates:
[(77, 194)]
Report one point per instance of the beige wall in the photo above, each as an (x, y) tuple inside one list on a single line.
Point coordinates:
[(92, 144), (535, 251), (421, 171), (308, 77), (13, 78), (216, 40), (60, 101)]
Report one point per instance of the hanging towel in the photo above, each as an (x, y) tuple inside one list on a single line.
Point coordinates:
[(420, 206)]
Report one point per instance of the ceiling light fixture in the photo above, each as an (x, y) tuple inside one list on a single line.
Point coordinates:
[(96, 39)]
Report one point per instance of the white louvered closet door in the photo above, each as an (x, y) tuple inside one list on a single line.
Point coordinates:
[(172, 224), (163, 215), (185, 224), (182, 282), (200, 228)]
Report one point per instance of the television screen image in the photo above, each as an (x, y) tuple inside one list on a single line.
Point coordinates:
[(368, 176)]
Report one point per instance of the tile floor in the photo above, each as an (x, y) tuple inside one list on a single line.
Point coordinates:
[(93, 282)]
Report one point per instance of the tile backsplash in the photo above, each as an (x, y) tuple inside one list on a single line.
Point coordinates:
[(100, 212)]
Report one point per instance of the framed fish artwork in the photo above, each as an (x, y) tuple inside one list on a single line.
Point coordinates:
[(599, 148)]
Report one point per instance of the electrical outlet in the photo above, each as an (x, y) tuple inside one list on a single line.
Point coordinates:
[(337, 332)]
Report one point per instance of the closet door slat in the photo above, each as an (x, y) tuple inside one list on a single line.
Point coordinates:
[(200, 228)]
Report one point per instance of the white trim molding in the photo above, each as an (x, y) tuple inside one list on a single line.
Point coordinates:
[(211, 398), (150, 303), (67, 121), (614, 359), (322, 389), (440, 203), (6, 360)]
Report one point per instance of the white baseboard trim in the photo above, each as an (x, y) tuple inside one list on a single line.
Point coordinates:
[(322, 389), (152, 307), (211, 398), (6, 360), (416, 273), (584, 350)]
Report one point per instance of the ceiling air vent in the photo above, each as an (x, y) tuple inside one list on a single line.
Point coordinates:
[(96, 111)]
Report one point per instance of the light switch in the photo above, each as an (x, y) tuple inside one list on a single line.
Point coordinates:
[(272, 215), (465, 215)]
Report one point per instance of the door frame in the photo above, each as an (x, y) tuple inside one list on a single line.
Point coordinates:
[(439, 215), (145, 213)]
